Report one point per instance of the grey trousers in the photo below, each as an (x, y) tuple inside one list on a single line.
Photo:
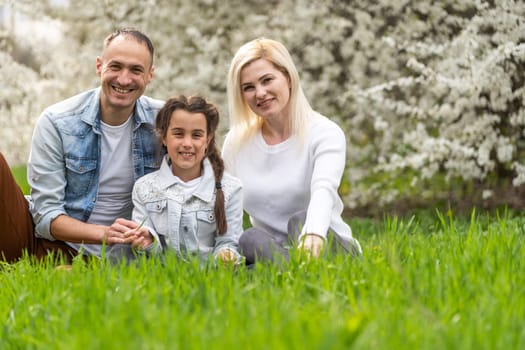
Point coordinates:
[(260, 245)]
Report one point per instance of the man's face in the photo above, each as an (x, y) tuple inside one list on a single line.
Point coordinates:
[(125, 69)]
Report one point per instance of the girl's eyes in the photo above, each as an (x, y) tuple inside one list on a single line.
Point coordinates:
[(194, 135)]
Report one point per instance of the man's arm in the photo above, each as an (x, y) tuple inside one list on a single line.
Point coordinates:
[(46, 176), (66, 228)]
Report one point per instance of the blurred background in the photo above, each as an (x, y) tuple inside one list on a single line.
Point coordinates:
[(429, 93)]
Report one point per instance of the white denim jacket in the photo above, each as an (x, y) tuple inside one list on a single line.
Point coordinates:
[(188, 227)]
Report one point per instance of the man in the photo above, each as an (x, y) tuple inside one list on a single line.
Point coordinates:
[(86, 153)]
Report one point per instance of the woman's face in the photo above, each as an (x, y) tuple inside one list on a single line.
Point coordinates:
[(265, 89), (186, 140)]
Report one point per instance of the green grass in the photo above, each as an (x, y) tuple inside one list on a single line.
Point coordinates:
[(19, 172), (427, 282)]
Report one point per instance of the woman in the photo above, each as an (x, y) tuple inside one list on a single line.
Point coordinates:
[(189, 206), (289, 158)]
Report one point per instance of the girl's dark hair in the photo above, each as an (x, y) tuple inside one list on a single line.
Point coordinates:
[(197, 104)]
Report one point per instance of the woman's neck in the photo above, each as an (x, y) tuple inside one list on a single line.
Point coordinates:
[(274, 133)]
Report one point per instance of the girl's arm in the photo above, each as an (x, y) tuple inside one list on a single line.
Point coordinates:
[(145, 237), (229, 241)]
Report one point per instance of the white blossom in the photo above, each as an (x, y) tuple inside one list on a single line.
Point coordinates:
[(425, 92)]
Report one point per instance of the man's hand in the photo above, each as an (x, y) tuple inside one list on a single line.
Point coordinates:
[(66, 228), (136, 234), (119, 232), (312, 245)]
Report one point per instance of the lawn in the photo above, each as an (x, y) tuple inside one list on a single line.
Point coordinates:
[(430, 281), (19, 172)]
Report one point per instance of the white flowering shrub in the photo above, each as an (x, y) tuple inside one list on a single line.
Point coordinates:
[(428, 93), (456, 112), (16, 106)]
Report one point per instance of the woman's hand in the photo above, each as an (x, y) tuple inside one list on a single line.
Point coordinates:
[(312, 245)]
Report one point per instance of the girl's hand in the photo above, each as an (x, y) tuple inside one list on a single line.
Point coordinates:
[(312, 245), (118, 231), (227, 257), (141, 238)]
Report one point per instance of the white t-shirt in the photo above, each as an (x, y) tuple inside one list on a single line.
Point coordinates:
[(116, 175), (116, 180)]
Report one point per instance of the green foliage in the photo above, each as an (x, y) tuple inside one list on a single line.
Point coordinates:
[(431, 281)]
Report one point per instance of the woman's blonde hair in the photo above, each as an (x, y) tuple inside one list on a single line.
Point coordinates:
[(243, 121)]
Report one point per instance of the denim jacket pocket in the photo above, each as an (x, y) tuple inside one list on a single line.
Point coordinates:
[(157, 211), (80, 174), (156, 207), (206, 227), (206, 216)]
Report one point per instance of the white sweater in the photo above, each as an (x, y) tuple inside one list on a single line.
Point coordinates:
[(280, 180)]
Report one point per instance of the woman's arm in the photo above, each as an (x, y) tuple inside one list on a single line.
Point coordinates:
[(328, 154)]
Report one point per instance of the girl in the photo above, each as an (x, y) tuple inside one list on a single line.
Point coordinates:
[(189, 205)]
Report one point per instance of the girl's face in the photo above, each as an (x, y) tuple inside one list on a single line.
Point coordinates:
[(186, 140), (265, 89)]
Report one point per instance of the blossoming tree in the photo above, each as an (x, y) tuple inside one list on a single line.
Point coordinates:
[(430, 94)]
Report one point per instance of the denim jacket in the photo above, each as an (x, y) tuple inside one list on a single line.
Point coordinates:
[(64, 162), (188, 226)]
